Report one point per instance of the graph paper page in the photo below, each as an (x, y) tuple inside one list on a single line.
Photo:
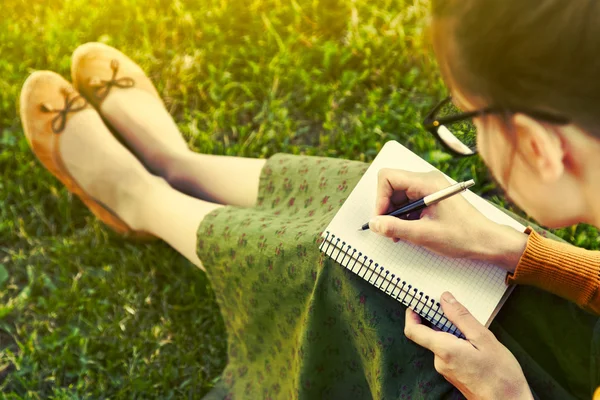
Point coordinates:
[(479, 286)]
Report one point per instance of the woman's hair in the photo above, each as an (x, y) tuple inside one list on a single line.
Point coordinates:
[(537, 54)]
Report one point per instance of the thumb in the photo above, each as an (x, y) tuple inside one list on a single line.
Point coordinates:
[(462, 318), (397, 228)]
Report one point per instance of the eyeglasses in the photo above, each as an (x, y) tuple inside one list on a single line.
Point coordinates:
[(456, 131)]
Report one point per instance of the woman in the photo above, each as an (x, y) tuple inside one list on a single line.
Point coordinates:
[(299, 325)]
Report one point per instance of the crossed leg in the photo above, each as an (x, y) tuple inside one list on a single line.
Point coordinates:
[(152, 134), (110, 173)]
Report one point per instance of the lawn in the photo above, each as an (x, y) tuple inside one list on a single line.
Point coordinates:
[(85, 314)]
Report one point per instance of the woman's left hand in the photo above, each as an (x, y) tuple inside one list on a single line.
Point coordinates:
[(480, 366)]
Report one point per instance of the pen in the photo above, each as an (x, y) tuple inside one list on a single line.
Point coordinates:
[(426, 201)]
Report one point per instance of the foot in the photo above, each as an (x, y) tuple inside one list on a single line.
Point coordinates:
[(129, 103), (71, 140)]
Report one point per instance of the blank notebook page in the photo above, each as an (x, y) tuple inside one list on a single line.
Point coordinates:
[(479, 286)]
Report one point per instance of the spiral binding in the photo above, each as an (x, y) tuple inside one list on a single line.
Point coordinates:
[(388, 283)]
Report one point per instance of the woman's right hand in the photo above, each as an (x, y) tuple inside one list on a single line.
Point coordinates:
[(452, 228)]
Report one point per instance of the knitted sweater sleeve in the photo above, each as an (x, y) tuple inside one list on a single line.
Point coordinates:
[(560, 268)]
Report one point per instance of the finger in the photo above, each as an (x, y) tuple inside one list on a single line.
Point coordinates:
[(397, 200), (387, 195), (438, 342), (391, 188), (462, 318), (392, 227), (395, 187)]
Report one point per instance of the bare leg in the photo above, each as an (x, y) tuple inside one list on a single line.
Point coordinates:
[(108, 172), (220, 179), (152, 134), (174, 217)]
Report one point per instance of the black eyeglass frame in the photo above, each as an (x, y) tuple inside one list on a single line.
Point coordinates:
[(432, 124)]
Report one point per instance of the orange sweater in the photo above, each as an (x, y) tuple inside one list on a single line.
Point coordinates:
[(560, 268)]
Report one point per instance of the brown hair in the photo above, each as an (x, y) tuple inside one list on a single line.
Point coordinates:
[(541, 54)]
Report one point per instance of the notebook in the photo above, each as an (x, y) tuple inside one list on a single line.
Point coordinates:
[(411, 274)]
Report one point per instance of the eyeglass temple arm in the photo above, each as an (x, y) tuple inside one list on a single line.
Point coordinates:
[(430, 116), (430, 122)]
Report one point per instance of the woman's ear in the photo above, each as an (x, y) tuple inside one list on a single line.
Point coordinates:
[(541, 148)]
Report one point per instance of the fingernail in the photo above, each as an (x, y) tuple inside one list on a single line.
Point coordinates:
[(448, 298), (374, 224)]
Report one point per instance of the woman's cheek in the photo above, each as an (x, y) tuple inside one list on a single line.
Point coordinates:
[(483, 147), (480, 139), (507, 168), (493, 150)]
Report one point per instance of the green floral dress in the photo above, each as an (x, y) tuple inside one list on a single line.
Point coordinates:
[(300, 326)]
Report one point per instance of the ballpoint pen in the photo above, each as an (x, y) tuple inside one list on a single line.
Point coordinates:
[(426, 201)]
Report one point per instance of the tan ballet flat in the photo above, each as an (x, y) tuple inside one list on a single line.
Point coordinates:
[(97, 69), (47, 103)]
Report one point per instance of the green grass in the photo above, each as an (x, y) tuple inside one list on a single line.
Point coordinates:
[(84, 314)]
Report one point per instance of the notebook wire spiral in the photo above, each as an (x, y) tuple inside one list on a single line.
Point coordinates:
[(394, 286)]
